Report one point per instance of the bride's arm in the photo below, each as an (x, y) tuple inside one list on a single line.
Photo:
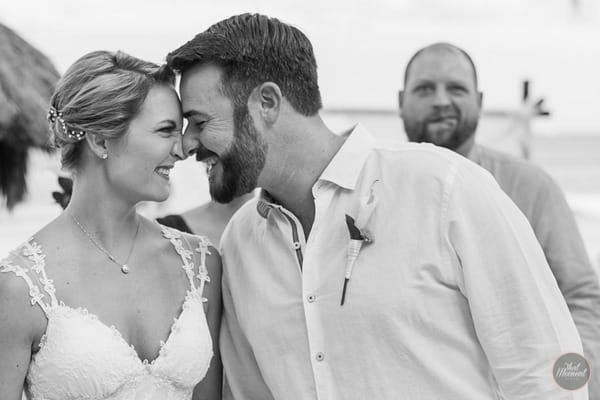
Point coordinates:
[(20, 327), (210, 387)]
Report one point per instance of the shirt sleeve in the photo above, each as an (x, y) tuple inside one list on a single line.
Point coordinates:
[(242, 377), (519, 314), (557, 232)]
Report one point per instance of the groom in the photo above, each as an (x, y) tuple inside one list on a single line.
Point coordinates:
[(359, 273)]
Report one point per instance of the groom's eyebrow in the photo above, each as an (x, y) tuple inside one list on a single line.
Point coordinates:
[(167, 121), (193, 113)]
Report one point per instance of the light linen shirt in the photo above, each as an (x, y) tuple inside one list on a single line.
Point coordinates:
[(543, 203), (451, 299)]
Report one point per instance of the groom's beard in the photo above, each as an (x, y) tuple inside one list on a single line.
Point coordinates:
[(243, 162)]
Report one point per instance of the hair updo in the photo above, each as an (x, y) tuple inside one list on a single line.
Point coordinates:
[(100, 94)]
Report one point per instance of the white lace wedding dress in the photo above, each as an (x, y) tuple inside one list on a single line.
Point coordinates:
[(82, 358)]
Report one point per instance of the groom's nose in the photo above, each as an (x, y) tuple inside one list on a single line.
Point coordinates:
[(188, 144)]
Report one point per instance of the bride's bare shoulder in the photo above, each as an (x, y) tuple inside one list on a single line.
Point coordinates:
[(19, 314)]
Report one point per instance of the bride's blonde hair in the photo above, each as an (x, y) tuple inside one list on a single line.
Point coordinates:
[(100, 94)]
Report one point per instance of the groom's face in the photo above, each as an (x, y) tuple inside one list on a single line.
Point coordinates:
[(220, 134)]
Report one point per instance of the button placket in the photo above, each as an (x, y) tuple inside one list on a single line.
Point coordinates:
[(311, 283), (297, 234), (314, 326)]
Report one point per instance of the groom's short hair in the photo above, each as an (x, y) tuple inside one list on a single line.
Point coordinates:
[(252, 49)]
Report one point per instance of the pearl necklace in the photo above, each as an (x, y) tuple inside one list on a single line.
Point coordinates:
[(92, 238)]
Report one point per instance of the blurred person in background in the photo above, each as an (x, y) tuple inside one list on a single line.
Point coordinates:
[(441, 104), (356, 274), (102, 302), (209, 218)]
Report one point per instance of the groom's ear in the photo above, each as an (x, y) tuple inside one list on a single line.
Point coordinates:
[(266, 99)]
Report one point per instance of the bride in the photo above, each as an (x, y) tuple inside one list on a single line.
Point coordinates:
[(103, 303)]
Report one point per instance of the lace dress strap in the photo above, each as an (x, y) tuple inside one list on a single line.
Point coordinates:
[(36, 260), (187, 255), (203, 249)]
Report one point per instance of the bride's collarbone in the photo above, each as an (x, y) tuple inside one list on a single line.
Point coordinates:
[(98, 285)]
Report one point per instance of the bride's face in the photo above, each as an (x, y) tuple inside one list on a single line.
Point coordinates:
[(140, 161)]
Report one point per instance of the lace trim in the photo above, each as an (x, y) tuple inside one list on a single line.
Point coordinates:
[(175, 391), (203, 249), (162, 352), (33, 251), (133, 382), (83, 312), (174, 237), (175, 327), (34, 291)]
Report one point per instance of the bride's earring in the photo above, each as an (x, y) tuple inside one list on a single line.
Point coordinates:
[(104, 156)]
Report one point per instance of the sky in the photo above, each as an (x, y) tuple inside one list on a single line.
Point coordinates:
[(361, 46)]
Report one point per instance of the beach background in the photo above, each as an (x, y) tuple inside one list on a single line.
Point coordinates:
[(361, 48)]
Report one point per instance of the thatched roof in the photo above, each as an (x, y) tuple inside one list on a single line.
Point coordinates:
[(27, 79)]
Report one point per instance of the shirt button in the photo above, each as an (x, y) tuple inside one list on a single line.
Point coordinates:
[(296, 245), (311, 298), (320, 356)]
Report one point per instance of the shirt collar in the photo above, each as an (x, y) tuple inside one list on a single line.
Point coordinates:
[(343, 169), (265, 203)]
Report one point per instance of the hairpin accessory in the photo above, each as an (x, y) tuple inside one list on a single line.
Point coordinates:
[(55, 116)]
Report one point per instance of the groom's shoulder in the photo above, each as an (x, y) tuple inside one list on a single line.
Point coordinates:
[(243, 221), (416, 160), (411, 151)]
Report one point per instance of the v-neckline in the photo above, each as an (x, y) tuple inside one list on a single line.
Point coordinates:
[(144, 362), (169, 234)]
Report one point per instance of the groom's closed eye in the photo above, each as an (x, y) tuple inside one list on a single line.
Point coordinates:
[(196, 123), (200, 125)]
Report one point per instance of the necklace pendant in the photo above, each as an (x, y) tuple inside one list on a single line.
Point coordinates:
[(125, 268)]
